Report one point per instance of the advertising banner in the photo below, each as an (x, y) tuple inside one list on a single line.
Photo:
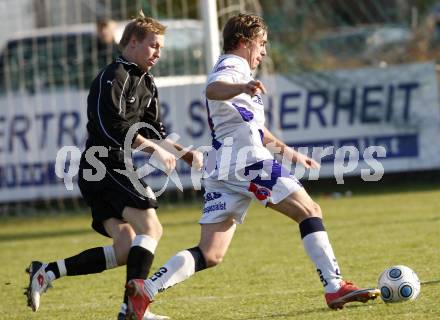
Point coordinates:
[(328, 115)]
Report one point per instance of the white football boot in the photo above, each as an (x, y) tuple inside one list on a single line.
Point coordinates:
[(38, 284)]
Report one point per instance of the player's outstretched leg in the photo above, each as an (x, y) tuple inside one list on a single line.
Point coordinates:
[(301, 208), (215, 239), (177, 269), (337, 291), (39, 282), (41, 275)]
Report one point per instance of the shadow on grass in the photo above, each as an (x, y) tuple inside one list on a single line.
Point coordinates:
[(426, 283)]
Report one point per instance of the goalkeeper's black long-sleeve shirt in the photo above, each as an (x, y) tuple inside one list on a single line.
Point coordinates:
[(120, 96)]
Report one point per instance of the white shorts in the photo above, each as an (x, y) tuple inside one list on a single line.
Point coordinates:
[(231, 198)]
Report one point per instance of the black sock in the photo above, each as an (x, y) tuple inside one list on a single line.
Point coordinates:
[(87, 262), (199, 259), (310, 225), (139, 262), (53, 266)]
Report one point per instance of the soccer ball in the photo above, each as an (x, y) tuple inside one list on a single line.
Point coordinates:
[(398, 283)]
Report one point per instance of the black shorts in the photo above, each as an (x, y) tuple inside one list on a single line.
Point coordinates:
[(108, 198)]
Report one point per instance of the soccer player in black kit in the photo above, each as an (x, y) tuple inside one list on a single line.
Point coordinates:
[(122, 95)]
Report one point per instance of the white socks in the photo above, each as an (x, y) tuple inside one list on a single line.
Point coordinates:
[(318, 247), (146, 242), (110, 258), (177, 269)]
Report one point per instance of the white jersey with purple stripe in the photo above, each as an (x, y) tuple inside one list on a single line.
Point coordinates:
[(239, 168), (237, 125)]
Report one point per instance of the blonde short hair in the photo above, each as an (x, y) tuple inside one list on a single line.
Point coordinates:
[(140, 27)]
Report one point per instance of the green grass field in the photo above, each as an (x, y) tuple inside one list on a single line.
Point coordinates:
[(266, 273)]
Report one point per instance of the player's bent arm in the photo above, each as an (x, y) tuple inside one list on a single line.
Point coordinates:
[(191, 157), (148, 146), (165, 157), (222, 90), (277, 146)]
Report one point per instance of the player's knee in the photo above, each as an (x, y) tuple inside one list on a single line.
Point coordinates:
[(153, 228), (158, 230), (156, 227), (315, 210), (213, 260), (309, 210)]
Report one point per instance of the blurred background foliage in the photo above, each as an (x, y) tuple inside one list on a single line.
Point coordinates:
[(307, 35), (330, 34)]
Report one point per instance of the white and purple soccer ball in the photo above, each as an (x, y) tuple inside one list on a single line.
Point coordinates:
[(398, 283)]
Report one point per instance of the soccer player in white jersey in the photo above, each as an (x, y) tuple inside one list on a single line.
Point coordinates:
[(241, 168)]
